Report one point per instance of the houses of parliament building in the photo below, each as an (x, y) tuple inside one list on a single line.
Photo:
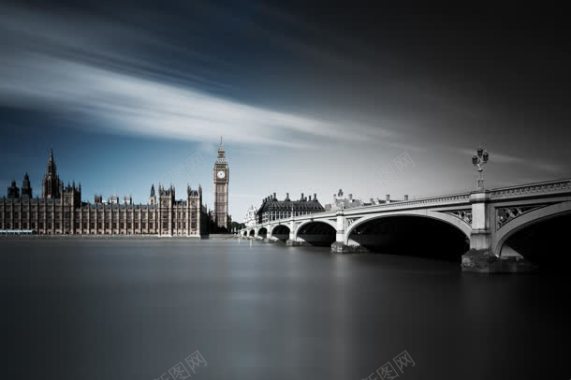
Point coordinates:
[(61, 211)]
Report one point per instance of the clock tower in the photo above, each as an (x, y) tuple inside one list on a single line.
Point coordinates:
[(221, 179)]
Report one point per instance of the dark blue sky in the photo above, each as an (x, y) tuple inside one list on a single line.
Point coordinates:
[(309, 96)]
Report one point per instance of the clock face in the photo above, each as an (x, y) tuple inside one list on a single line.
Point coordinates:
[(221, 174)]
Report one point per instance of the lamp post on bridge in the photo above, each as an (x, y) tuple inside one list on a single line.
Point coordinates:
[(479, 160)]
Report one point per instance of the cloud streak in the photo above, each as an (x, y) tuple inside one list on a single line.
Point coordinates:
[(51, 71), (127, 104)]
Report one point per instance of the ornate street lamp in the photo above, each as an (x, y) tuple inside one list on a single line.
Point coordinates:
[(479, 160)]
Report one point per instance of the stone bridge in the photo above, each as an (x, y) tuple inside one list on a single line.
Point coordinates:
[(498, 230)]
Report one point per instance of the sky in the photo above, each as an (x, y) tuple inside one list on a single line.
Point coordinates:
[(373, 98)]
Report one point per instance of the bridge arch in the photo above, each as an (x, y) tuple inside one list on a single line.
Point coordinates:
[(532, 219), (320, 232), (262, 232), (252, 232), (278, 227), (309, 221), (447, 218), (280, 232), (412, 232)]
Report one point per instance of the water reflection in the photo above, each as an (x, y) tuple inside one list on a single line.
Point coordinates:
[(130, 309)]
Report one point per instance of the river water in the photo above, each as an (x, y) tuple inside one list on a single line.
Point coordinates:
[(135, 308)]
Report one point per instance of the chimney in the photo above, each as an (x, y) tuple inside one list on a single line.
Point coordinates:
[(287, 197), (314, 196), (310, 198), (406, 197), (302, 196), (275, 196), (388, 198)]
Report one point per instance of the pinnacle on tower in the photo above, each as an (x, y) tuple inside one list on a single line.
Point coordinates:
[(52, 186), (221, 152), (26, 187)]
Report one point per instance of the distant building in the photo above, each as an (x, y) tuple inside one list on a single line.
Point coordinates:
[(250, 218), (340, 201), (273, 209), (60, 211)]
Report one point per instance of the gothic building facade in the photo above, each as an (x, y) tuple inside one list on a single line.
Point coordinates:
[(61, 211)]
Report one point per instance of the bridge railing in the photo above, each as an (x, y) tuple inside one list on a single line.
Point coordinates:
[(448, 199), (532, 189)]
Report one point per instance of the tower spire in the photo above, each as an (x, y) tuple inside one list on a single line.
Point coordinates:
[(51, 184), (221, 152)]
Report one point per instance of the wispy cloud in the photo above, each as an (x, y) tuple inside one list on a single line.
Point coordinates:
[(100, 85)]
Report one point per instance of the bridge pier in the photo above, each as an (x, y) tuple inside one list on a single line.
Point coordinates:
[(340, 246), (297, 243), (481, 261), (481, 257), (291, 242), (268, 237)]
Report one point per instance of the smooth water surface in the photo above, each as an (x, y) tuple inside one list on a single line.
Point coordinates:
[(134, 308)]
